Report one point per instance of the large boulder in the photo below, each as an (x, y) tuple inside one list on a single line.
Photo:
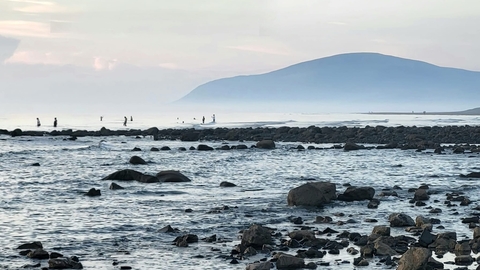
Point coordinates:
[(172, 176), (256, 236), (286, 261), (259, 266), (415, 258), (266, 144), (357, 194), (312, 194)]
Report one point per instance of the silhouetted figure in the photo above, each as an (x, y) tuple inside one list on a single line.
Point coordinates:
[(131, 118), (38, 122), (101, 118), (203, 120), (213, 118), (55, 122), (125, 121)]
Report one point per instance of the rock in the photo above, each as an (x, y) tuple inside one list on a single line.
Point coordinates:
[(225, 147), (462, 249), (36, 164), (421, 195), (38, 253), (184, 240), (54, 255), (182, 149), (312, 194), (300, 235), (136, 160), (16, 132), (415, 258), (154, 149), (93, 192), (115, 186), (381, 230), (203, 147), (259, 266), (373, 204), (266, 144), (64, 263), (227, 184), (400, 220), (352, 146), (464, 260), (285, 261), (167, 229), (357, 194), (32, 245), (382, 249), (241, 147), (476, 232), (165, 148), (256, 236), (172, 176), (352, 251), (426, 238), (124, 175), (471, 175), (136, 149)]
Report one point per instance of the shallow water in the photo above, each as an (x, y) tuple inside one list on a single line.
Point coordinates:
[(47, 204)]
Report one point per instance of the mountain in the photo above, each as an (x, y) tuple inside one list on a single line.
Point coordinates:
[(368, 79)]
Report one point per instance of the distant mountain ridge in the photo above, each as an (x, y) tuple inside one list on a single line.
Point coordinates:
[(354, 77)]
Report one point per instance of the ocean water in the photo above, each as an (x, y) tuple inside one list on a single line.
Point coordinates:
[(47, 203)]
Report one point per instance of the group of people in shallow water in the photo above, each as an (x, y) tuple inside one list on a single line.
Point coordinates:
[(125, 120), (54, 122)]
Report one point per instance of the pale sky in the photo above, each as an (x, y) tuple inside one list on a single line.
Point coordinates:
[(210, 39)]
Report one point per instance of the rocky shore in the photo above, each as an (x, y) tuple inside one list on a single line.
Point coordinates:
[(395, 137)]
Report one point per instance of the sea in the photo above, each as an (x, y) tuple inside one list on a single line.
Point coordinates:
[(120, 228)]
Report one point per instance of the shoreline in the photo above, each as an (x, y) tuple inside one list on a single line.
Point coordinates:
[(429, 137)]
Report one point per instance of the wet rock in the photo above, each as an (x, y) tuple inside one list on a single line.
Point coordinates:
[(382, 249), (400, 220), (426, 238), (445, 242), (136, 160), (93, 192), (433, 264), (38, 253), (182, 149), (312, 194), (352, 251), (184, 240), (464, 260), (136, 149), (210, 239), (357, 194), (36, 164), (203, 147), (225, 147), (115, 186), (259, 266), (241, 147), (256, 236), (227, 184), (349, 146), (421, 195), (462, 249), (172, 176), (32, 245), (414, 258), (373, 204), (16, 132), (64, 263), (320, 219), (285, 261), (471, 175), (381, 230), (168, 229), (54, 255), (165, 148), (266, 144), (300, 235), (154, 149), (124, 175)]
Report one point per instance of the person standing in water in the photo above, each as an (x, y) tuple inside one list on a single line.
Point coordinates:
[(101, 118), (125, 121), (131, 118), (55, 122), (203, 120), (213, 118), (38, 122)]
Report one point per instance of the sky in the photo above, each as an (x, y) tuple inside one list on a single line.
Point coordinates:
[(156, 51)]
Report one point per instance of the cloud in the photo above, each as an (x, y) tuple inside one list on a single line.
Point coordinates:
[(100, 63), (7, 48), (258, 49), (25, 29)]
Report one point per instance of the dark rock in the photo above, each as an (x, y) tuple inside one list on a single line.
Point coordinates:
[(64, 263), (373, 204), (154, 149), (38, 253), (312, 194), (426, 238), (259, 266), (172, 176), (227, 184), (167, 229), (352, 146), (414, 258), (124, 175), (464, 260), (203, 147), (136, 160), (115, 186), (357, 194), (256, 236), (421, 195), (165, 148), (400, 220), (36, 164), (32, 245), (54, 255), (93, 192), (471, 175), (266, 144), (285, 261), (136, 149)]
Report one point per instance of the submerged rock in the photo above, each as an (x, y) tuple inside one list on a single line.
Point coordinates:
[(93, 192), (65, 263), (227, 184), (136, 160), (266, 144), (172, 176), (357, 194)]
